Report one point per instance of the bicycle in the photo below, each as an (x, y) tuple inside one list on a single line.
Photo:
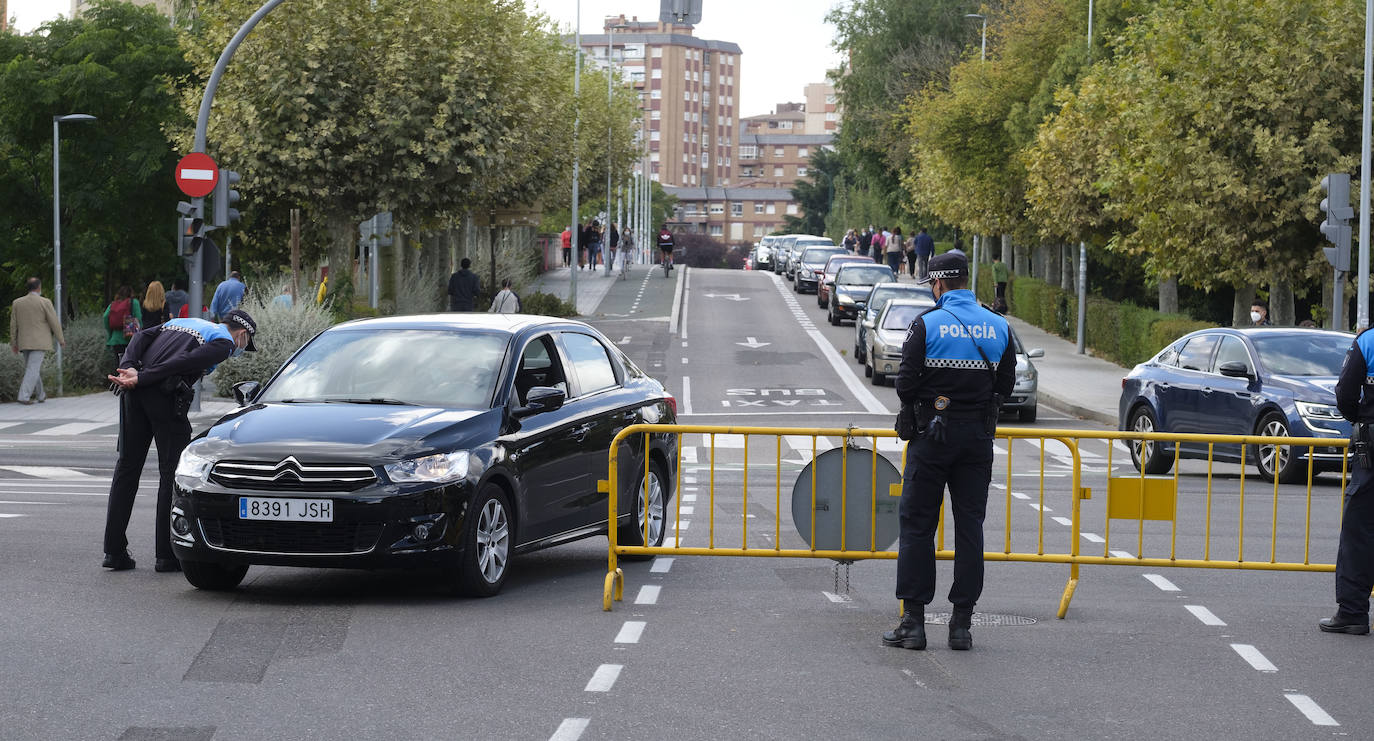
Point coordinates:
[(667, 261)]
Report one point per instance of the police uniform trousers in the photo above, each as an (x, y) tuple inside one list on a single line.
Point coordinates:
[(149, 415), (1355, 555), (964, 462)]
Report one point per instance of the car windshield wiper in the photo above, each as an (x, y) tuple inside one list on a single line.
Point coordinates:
[(369, 400)]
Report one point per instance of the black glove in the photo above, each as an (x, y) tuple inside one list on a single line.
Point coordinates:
[(935, 431)]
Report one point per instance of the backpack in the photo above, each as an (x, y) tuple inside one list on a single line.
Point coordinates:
[(119, 310)]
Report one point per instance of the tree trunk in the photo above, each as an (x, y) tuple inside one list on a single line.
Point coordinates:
[(1327, 305), (1067, 276), (1240, 306), (341, 247), (1281, 311), (1168, 295), (1022, 259)]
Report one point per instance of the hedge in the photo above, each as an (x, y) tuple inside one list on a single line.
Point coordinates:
[(1123, 333)]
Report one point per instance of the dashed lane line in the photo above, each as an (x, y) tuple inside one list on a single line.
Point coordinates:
[(630, 631), (1066, 522), (648, 595), (5, 516), (1092, 537), (687, 397), (1254, 658), (48, 472), (1205, 615), (604, 678), (661, 565), (837, 598), (1122, 554), (1311, 709), (1161, 582), (570, 729)]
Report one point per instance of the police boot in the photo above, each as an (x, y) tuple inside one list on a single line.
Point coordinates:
[(910, 633), (960, 639)]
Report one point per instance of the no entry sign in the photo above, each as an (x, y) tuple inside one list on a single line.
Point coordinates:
[(196, 174)]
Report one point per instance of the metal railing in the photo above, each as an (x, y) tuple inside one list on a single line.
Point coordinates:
[(1132, 498)]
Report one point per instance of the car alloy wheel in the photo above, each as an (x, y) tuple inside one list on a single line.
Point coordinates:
[(486, 559), (1147, 455), (650, 505), (1276, 461)]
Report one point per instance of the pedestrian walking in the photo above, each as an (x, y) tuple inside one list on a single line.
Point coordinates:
[(865, 241), (463, 287), (924, 246), (566, 238), (592, 237), (228, 295), (1001, 276), (1355, 552), (957, 365), (851, 241), (123, 318), (893, 251), (506, 302), (178, 300), (1259, 314), (612, 240), (155, 305), (154, 385), (33, 327), (879, 244), (287, 297)]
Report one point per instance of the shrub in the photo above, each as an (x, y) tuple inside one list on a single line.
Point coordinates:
[(547, 304), (85, 362), (281, 331)]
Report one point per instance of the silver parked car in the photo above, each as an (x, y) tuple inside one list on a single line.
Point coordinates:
[(877, 299)]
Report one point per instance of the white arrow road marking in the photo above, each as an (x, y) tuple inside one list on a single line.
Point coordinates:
[(727, 296), (754, 344)]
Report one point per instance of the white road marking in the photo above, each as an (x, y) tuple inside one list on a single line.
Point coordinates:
[(661, 565), (1091, 537), (891, 445), (689, 479), (1254, 658), (998, 449), (648, 595), (1312, 710), (679, 309), (1205, 615), (689, 455), (1019, 495), (735, 442), (1066, 522), (684, 361), (8, 516), (74, 428), (1040, 507), (625, 340), (630, 631), (1122, 554), (571, 729), (37, 503), (684, 525), (686, 394), (842, 369), (604, 678), (48, 472), (3, 425), (684, 343), (840, 598), (689, 497), (687, 510), (1161, 582)]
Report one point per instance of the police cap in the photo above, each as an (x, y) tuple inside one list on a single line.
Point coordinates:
[(945, 266)]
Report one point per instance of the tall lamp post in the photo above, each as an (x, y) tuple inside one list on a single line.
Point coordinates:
[(610, 127), (57, 121), (977, 240), (576, 227), (983, 54)]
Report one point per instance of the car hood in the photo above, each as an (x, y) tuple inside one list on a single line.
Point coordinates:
[(1319, 389), (891, 337), (353, 431), (855, 291)]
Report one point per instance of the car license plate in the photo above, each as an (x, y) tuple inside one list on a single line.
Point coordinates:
[(294, 510)]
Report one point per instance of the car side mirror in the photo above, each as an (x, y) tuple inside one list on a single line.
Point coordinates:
[(1036, 353), (246, 391), (1235, 369), (541, 399)]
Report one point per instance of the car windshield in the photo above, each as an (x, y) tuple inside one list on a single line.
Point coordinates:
[(863, 275), (1306, 354), (819, 254), (438, 368), (901, 316), (883, 294)]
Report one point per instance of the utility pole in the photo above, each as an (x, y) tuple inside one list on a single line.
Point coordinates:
[(576, 227)]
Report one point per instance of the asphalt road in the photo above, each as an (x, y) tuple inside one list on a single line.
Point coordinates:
[(701, 647)]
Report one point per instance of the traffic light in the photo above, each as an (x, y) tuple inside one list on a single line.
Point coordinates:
[(225, 198), (1336, 227), (193, 232)]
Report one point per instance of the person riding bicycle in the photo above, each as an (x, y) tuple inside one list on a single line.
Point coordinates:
[(665, 246)]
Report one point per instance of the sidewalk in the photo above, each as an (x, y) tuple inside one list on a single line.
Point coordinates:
[(92, 410), (1082, 385), (592, 287)]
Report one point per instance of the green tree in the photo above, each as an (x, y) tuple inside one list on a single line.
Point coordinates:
[(814, 194)]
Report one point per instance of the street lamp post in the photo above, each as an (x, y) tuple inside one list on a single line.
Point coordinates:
[(57, 121), (983, 54), (576, 228), (610, 127)]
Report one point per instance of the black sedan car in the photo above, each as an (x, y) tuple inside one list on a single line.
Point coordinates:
[(450, 441), (851, 286), (1271, 381)]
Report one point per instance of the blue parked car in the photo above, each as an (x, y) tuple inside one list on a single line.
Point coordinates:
[(1265, 381)]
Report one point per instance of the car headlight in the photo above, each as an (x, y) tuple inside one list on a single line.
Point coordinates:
[(846, 298), (1026, 375), (192, 469), (1318, 411), (440, 468)]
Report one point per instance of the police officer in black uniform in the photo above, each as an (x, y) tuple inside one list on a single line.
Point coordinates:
[(154, 383), (1355, 555), (957, 363)]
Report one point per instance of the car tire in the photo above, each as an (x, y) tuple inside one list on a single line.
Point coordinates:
[(212, 577), (830, 316), (1277, 460), (1026, 415), (796, 286), (868, 370), (1147, 455), (878, 379), (632, 533), (859, 352), (818, 299), (488, 542)]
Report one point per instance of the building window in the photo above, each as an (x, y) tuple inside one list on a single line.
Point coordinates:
[(791, 209), (830, 99), (772, 208), (748, 151), (759, 230), (717, 230), (717, 208), (832, 116), (802, 152), (777, 152), (737, 209), (657, 73), (656, 52), (801, 172), (777, 171), (655, 115), (785, 125), (686, 94), (758, 207), (655, 95), (637, 76), (747, 172), (654, 136)]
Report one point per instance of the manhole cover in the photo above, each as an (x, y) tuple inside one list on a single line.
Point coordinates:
[(982, 619)]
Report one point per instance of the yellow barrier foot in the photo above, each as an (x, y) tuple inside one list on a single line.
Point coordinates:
[(607, 591), (619, 585), (1068, 596)]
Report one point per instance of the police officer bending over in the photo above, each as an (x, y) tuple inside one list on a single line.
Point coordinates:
[(154, 382), (957, 364), (1355, 554)]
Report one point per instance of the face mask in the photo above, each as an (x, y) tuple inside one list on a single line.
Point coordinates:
[(237, 352), (1255, 316)]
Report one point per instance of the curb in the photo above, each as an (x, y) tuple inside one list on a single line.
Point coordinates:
[(1077, 410)]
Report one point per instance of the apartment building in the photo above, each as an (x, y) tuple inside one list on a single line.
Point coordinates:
[(690, 92), (777, 160), (4, 16), (732, 214), (822, 109)]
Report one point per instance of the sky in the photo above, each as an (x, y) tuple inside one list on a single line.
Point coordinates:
[(785, 44)]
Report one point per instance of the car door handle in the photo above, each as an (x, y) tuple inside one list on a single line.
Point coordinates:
[(630, 416), (1206, 389), (579, 432)]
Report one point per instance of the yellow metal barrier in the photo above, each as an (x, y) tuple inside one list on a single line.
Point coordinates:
[(1132, 497)]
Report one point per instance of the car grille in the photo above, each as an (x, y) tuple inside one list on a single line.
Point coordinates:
[(291, 475), (290, 537)]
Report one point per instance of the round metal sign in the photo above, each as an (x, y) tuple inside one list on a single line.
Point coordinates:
[(847, 474), (197, 174)]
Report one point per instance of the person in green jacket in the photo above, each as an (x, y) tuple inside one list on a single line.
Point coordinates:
[(124, 305), (1001, 275)]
